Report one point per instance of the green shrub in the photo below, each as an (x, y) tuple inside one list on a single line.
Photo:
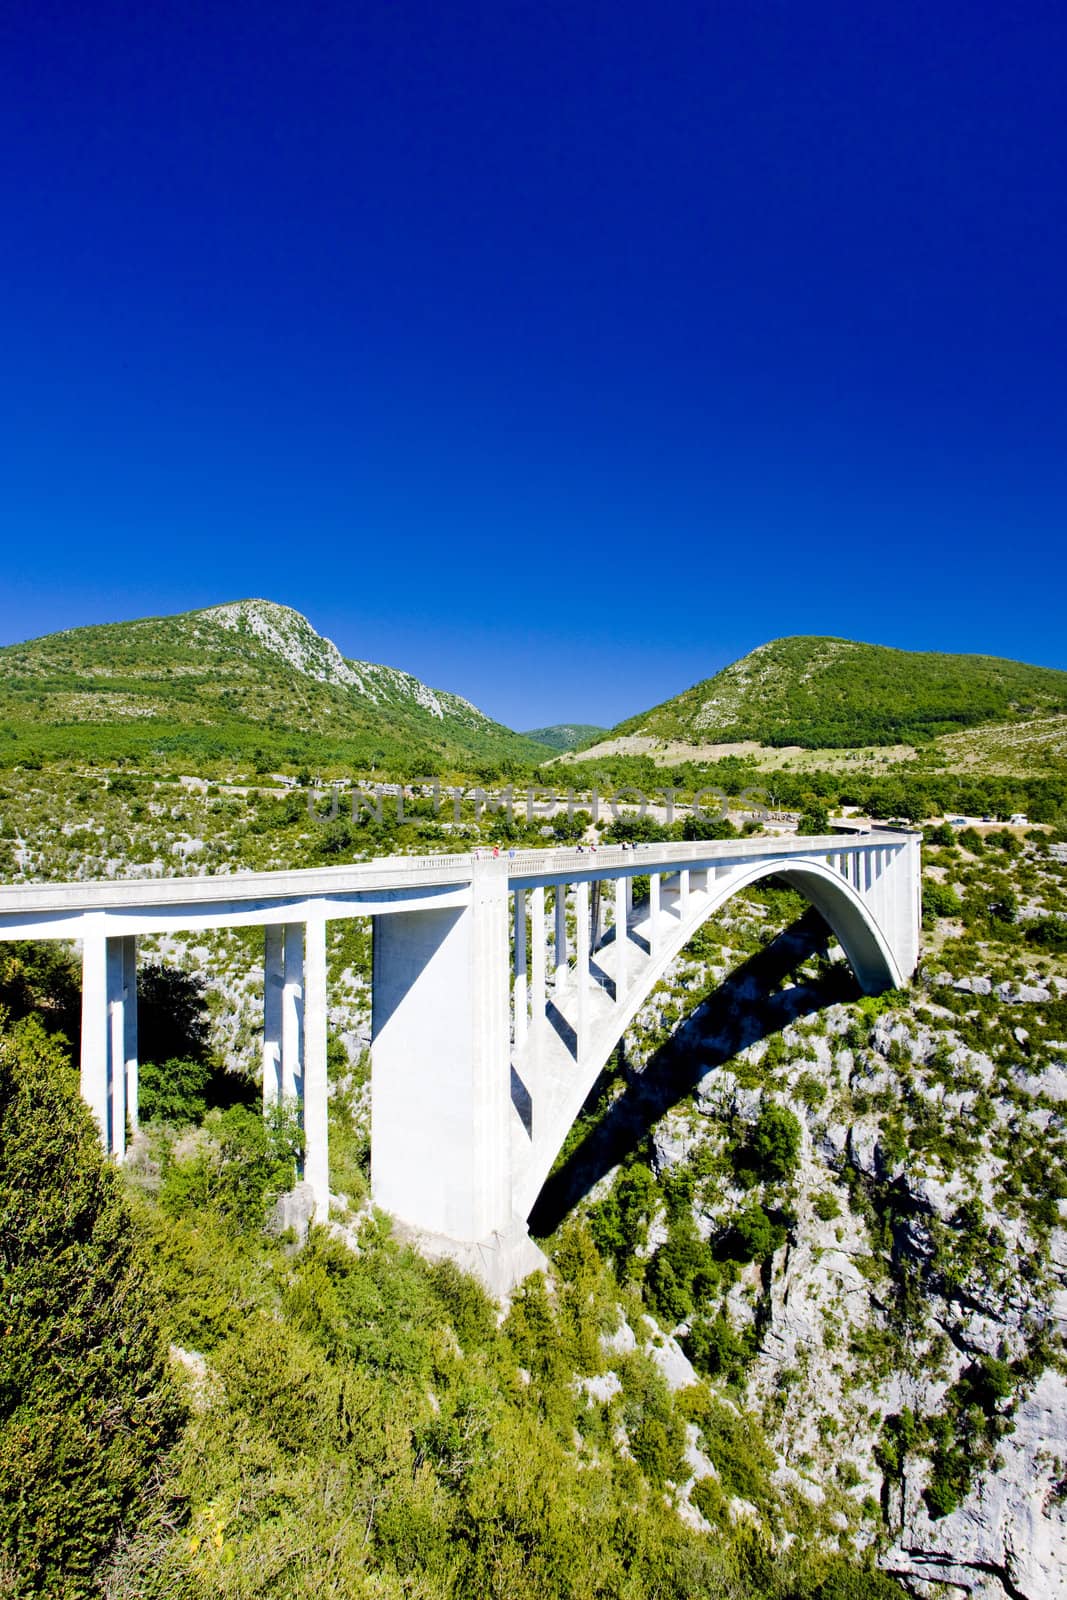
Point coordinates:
[(620, 1221), (939, 900), (242, 1165), (174, 1092), (734, 1442), (682, 1272), (753, 1235), (771, 1151), (1048, 933), (655, 1427), (86, 1407), (716, 1349)]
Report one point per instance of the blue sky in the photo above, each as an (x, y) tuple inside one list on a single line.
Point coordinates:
[(558, 354)]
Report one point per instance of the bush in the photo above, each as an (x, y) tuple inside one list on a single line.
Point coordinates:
[(655, 1427), (86, 1406), (682, 1272), (772, 1150), (752, 1237), (619, 1223), (1048, 933), (939, 900), (716, 1349), (244, 1164), (175, 1092)]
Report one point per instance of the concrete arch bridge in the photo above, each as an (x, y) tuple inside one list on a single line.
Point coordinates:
[(494, 1011)]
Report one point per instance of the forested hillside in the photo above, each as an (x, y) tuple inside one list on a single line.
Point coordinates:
[(833, 693), (250, 684), (566, 735)]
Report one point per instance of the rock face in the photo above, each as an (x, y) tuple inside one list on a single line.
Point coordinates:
[(293, 1212), (922, 1259), (290, 636), (1010, 1536)]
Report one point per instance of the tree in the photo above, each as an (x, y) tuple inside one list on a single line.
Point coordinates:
[(815, 820), (86, 1405), (775, 1142)]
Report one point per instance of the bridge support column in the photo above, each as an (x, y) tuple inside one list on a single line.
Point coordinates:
[(538, 955), (95, 1036), (683, 893), (109, 1033), (559, 953), (316, 1137), (519, 996), (116, 1019), (293, 1011), (132, 1071), (653, 912), (622, 939), (581, 964), (273, 984), (440, 1084)]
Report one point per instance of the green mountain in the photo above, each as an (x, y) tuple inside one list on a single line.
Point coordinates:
[(566, 735), (248, 682), (824, 693)]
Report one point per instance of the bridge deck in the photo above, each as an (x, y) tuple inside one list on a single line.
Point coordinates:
[(358, 888)]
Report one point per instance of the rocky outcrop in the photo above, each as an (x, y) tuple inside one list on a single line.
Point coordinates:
[(1010, 1536)]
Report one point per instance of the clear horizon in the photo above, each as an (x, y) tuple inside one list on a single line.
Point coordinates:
[(558, 358)]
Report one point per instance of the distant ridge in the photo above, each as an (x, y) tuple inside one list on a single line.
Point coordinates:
[(566, 735), (823, 693), (249, 679)]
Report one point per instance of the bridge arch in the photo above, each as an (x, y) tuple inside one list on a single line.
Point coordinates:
[(841, 906), (850, 918)]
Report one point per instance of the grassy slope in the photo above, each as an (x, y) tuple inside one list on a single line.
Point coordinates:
[(179, 690), (834, 693)]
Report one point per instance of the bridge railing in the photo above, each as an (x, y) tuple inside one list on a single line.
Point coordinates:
[(652, 857)]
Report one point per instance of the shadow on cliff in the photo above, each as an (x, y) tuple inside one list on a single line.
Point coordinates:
[(748, 1006)]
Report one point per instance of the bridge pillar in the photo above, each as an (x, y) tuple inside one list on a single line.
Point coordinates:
[(653, 912), (559, 953), (273, 984), (294, 1039), (316, 1139), (582, 936), (109, 1034), (440, 1079), (538, 954), (519, 993), (621, 936), (129, 959), (293, 1011), (116, 1020)]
